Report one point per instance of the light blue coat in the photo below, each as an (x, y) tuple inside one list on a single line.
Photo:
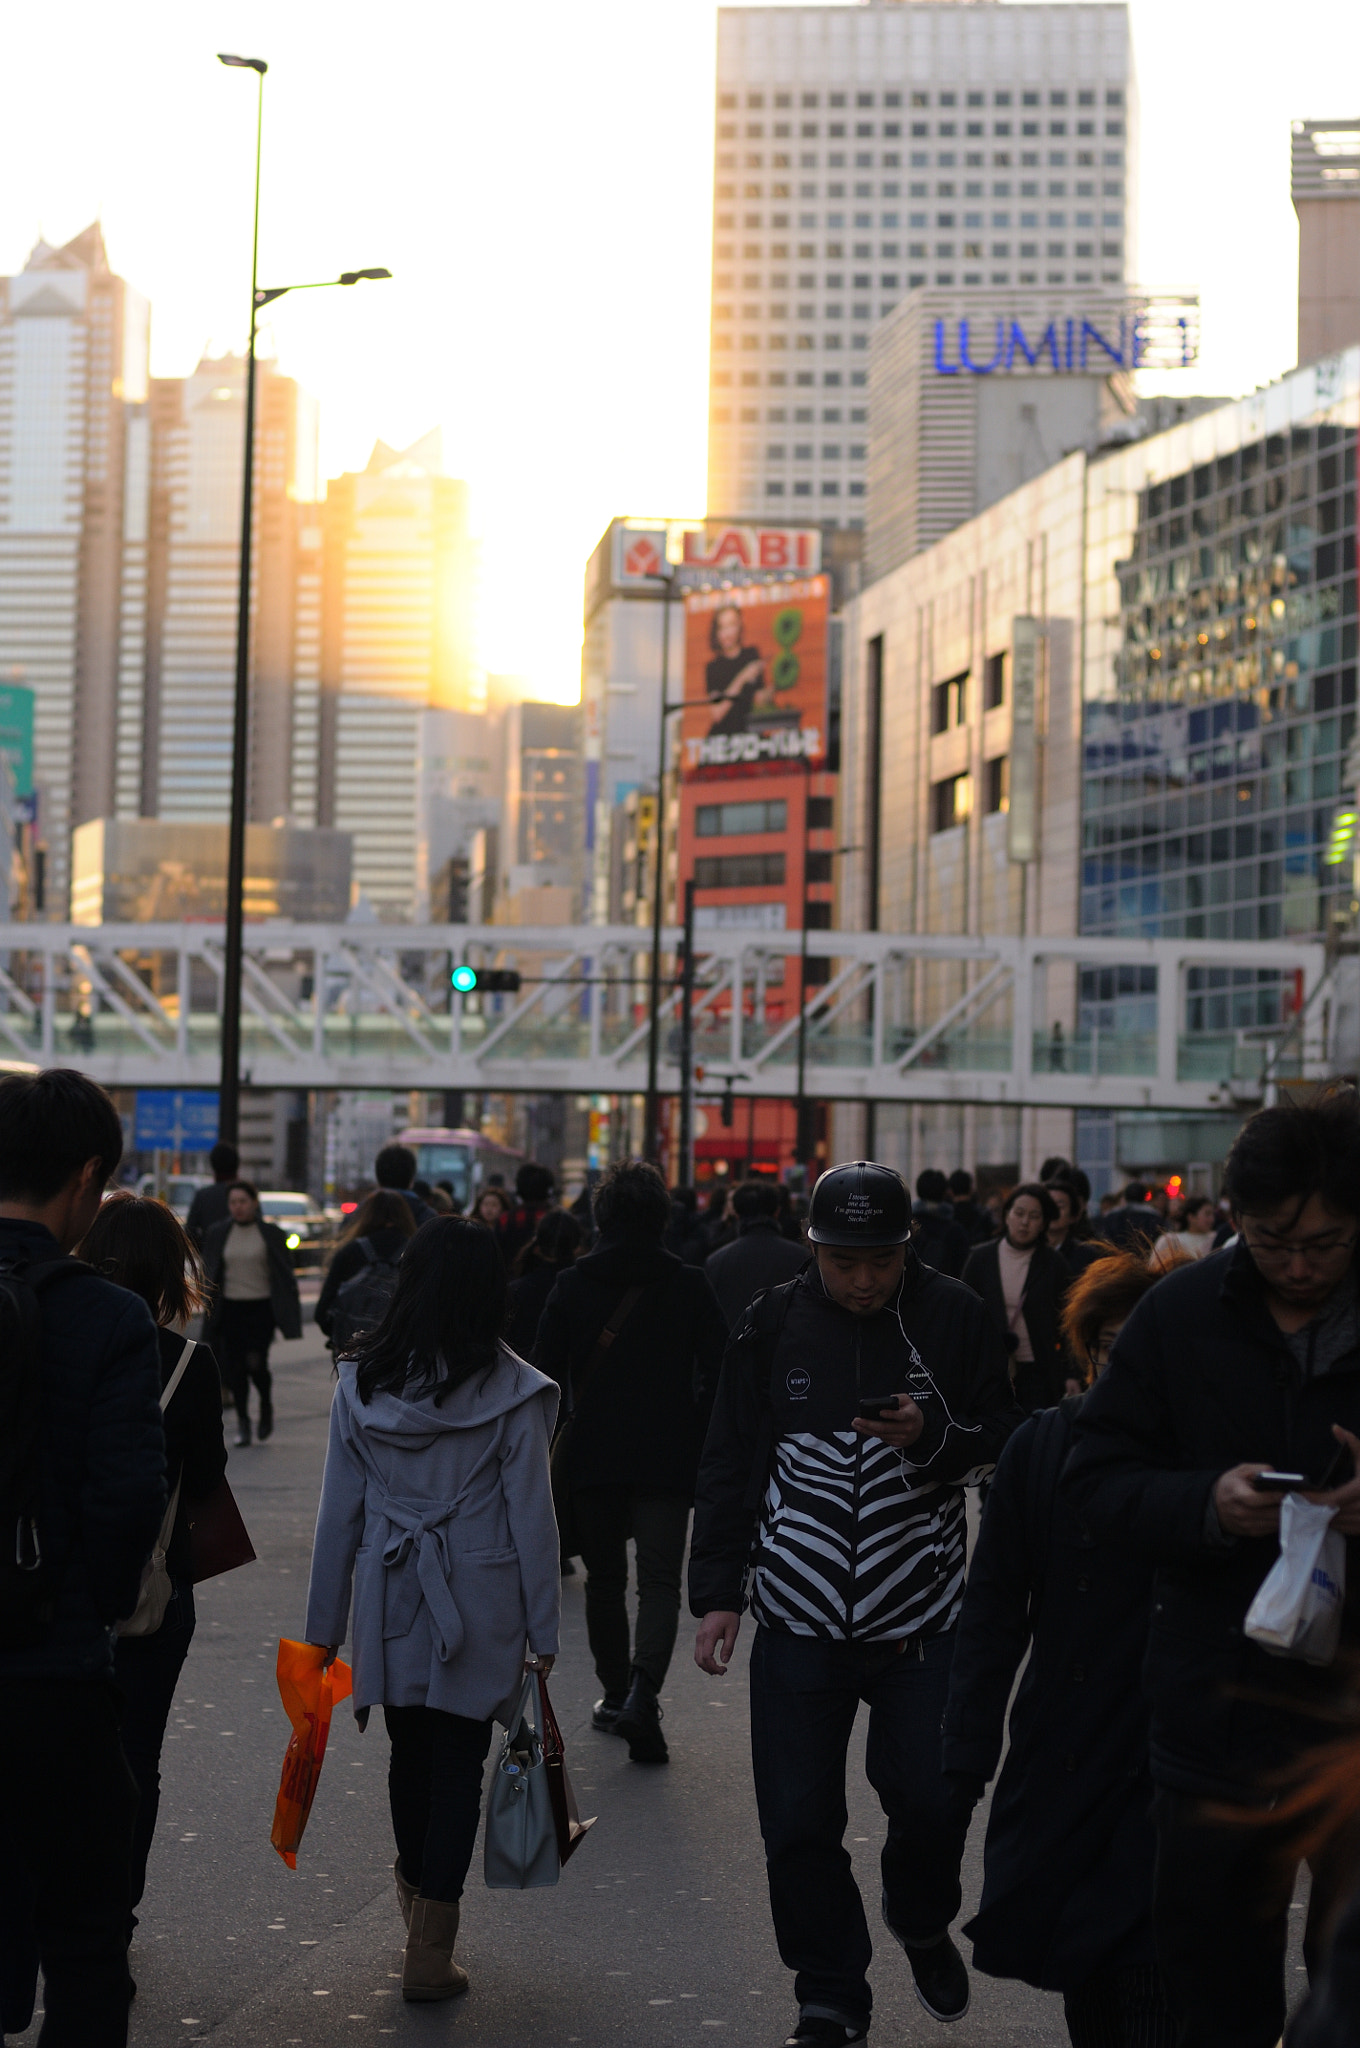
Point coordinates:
[(441, 1518)]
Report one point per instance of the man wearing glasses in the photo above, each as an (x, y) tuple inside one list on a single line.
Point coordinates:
[(1242, 1365)]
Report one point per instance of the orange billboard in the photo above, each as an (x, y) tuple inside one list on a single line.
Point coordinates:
[(755, 677)]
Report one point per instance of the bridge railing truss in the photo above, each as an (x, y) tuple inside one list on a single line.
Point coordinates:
[(1110, 1023)]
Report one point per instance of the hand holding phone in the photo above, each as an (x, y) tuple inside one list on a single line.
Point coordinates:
[(873, 1407), (1280, 1482)]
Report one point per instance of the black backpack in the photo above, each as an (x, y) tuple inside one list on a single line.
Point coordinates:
[(28, 1579), (363, 1301)]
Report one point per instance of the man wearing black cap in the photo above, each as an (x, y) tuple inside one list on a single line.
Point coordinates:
[(856, 1402)]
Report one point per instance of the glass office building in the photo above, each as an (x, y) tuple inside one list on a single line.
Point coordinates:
[(1220, 686)]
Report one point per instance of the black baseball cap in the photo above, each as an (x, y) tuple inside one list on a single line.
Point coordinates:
[(860, 1204)]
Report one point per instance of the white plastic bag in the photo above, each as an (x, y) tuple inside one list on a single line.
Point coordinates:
[(1297, 1609)]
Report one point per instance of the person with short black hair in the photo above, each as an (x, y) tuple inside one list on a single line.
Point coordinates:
[(551, 1250), (141, 1244), (940, 1242), (535, 1187), (67, 1798), (1133, 1224), (209, 1204), (395, 1167), (1075, 1252), (1023, 1282), (759, 1256), (254, 1294), (1246, 1361), (436, 1507), (971, 1218), (634, 1338), (856, 1403)]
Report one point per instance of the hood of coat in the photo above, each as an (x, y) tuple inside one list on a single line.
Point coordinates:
[(412, 1424)]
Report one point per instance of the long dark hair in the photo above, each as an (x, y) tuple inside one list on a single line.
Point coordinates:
[(555, 1242), (384, 1209), (444, 1321)]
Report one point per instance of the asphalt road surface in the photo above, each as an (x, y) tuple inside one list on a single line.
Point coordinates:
[(658, 1934)]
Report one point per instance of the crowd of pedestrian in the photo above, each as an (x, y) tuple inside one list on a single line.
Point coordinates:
[(1140, 1397)]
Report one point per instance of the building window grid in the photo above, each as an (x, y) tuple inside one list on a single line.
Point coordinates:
[(1239, 637)]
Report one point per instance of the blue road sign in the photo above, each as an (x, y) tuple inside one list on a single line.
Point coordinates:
[(175, 1119)]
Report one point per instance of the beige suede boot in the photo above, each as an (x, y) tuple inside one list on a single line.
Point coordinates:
[(406, 1893), (428, 1970)]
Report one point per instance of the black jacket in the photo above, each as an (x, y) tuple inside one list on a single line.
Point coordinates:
[(528, 1299), (103, 1461), (1330, 2015), (940, 1241), (1040, 1381), (759, 1256), (209, 1206), (1067, 1884), (194, 1444), (283, 1287), (1201, 1380), (977, 1224), (1133, 1226), (793, 1376), (348, 1261), (641, 1418)]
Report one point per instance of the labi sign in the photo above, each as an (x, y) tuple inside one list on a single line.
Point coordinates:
[(1072, 343)]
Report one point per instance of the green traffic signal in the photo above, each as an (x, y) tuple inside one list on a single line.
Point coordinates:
[(485, 980)]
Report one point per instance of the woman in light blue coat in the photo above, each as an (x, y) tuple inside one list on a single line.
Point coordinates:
[(436, 1508)]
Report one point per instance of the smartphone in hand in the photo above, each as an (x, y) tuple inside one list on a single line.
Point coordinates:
[(873, 1407)]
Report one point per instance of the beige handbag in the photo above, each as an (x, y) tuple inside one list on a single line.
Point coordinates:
[(147, 1616)]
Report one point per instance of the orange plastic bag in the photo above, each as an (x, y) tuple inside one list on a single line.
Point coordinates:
[(309, 1695)]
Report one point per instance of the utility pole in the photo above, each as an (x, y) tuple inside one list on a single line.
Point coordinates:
[(651, 1128), (687, 1044)]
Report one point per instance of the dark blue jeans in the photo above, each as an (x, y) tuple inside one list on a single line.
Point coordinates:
[(147, 1670), (434, 1784), (804, 1697)]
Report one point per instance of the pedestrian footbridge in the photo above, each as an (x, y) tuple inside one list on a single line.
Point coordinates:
[(891, 1017)]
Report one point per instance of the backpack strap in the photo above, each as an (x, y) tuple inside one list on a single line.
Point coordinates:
[(603, 1344)]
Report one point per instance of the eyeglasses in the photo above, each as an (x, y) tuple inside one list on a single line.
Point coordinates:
[(1316, 1251)]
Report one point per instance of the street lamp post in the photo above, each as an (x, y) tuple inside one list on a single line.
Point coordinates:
[(651, 1126), (233, 951)]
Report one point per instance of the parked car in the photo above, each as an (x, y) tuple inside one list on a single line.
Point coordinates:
[(307, 1228), (177, 1190)]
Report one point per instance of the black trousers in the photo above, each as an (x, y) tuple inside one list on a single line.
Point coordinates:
[(67, 1800), (805, 1694), (605, 1517), (434, 1784), (1120, 2009), (246, 1331), (147, 1670), (1220, 1914)]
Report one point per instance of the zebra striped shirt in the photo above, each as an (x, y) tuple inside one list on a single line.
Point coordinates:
[(856, 1543)]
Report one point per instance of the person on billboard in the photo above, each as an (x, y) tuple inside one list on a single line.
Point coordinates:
[(734, 676)]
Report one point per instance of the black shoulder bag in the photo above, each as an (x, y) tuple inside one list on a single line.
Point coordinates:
[(577, 1382)]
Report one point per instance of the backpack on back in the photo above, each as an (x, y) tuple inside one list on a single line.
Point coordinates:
[(363, 1301), (28, 1581)]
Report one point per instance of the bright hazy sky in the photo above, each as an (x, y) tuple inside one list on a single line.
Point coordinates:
[(537, 175)]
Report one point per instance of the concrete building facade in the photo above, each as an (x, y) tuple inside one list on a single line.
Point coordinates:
[(1325, 187), (865, 152)]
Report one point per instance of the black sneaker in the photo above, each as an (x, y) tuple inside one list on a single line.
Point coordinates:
[(815, 2032), (242, 1433), (639, 1723), (265, 1428), (607, 1712), (939, 1972)]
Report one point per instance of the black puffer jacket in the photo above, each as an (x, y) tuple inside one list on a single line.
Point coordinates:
[(103, 1460), (1202, 1380), (886, 1556), (641, 1418)]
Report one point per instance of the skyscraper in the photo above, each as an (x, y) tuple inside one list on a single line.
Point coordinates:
[(73, 371), (397, 589), (862, 152), (1324, 184)]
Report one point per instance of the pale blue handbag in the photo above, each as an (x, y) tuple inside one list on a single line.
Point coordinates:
[(520, 1846)]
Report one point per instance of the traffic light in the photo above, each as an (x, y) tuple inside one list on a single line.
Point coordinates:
[(495, 981)]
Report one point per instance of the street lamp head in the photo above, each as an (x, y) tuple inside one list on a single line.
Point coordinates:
[(353, 276), (243, 63)]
